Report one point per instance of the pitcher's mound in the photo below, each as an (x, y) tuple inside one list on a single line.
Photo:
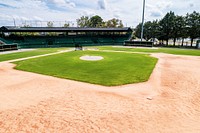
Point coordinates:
[(91, 58)]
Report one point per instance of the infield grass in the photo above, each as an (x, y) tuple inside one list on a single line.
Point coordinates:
[(17, 55), (115, 69), (177, 51)]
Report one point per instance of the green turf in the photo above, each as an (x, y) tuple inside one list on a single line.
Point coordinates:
[(11, 56), (114, 69), (177, 51)]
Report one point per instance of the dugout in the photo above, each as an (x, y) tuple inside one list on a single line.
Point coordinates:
[(139, 43), (8, 47), (40, 37)]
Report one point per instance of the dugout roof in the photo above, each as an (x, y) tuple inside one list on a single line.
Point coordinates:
[(61, 29)]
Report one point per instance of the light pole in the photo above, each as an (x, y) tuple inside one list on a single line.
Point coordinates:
[(143, 20), (14, 22)]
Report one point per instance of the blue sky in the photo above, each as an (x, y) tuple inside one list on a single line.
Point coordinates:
[(38, 12)]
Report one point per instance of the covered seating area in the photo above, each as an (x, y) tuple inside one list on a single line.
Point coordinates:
[(40, 37)]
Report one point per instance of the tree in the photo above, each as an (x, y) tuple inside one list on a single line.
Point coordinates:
[(114, 23), (183, 32), (155, 29), (26, 26), (66, 25), (120, 25), (147, 30), (96, 21), (178, 28), (138, 30), (193, 25), (103, 24), (151, 30), (49, 24), (84, 21), (166, 25), (172, 26)]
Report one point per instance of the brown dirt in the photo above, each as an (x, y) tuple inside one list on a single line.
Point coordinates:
[(168, 103)]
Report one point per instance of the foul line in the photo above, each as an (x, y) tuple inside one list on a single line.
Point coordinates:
[(37, 56)]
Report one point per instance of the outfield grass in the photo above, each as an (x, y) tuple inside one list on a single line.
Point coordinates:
[(17, 55), (114, 69), (177, 51)]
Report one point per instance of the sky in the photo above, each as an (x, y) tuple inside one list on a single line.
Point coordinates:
[(38, 12)]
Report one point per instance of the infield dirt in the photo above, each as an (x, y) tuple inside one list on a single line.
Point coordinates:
[(168, 103)]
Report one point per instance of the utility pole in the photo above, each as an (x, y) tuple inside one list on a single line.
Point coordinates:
[(142, 31)]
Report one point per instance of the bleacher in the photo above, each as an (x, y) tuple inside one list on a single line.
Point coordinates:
[(4, 41), (69, 38), (119, 40), (64, 41), (84, 41), (33, 42), (105, 40)]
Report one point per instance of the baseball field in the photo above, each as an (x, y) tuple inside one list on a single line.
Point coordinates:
[(129, 90)]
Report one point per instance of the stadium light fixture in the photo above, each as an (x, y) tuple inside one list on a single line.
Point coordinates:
[(142, 30)]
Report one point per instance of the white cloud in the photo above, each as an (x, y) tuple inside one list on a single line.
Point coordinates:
[(129, 11), (60, 2), (63, 3), (162, 4), (38, 18), (88, 13), (102, 4), (156, 9)]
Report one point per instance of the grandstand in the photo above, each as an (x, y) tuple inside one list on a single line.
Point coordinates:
[(41, 37)]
